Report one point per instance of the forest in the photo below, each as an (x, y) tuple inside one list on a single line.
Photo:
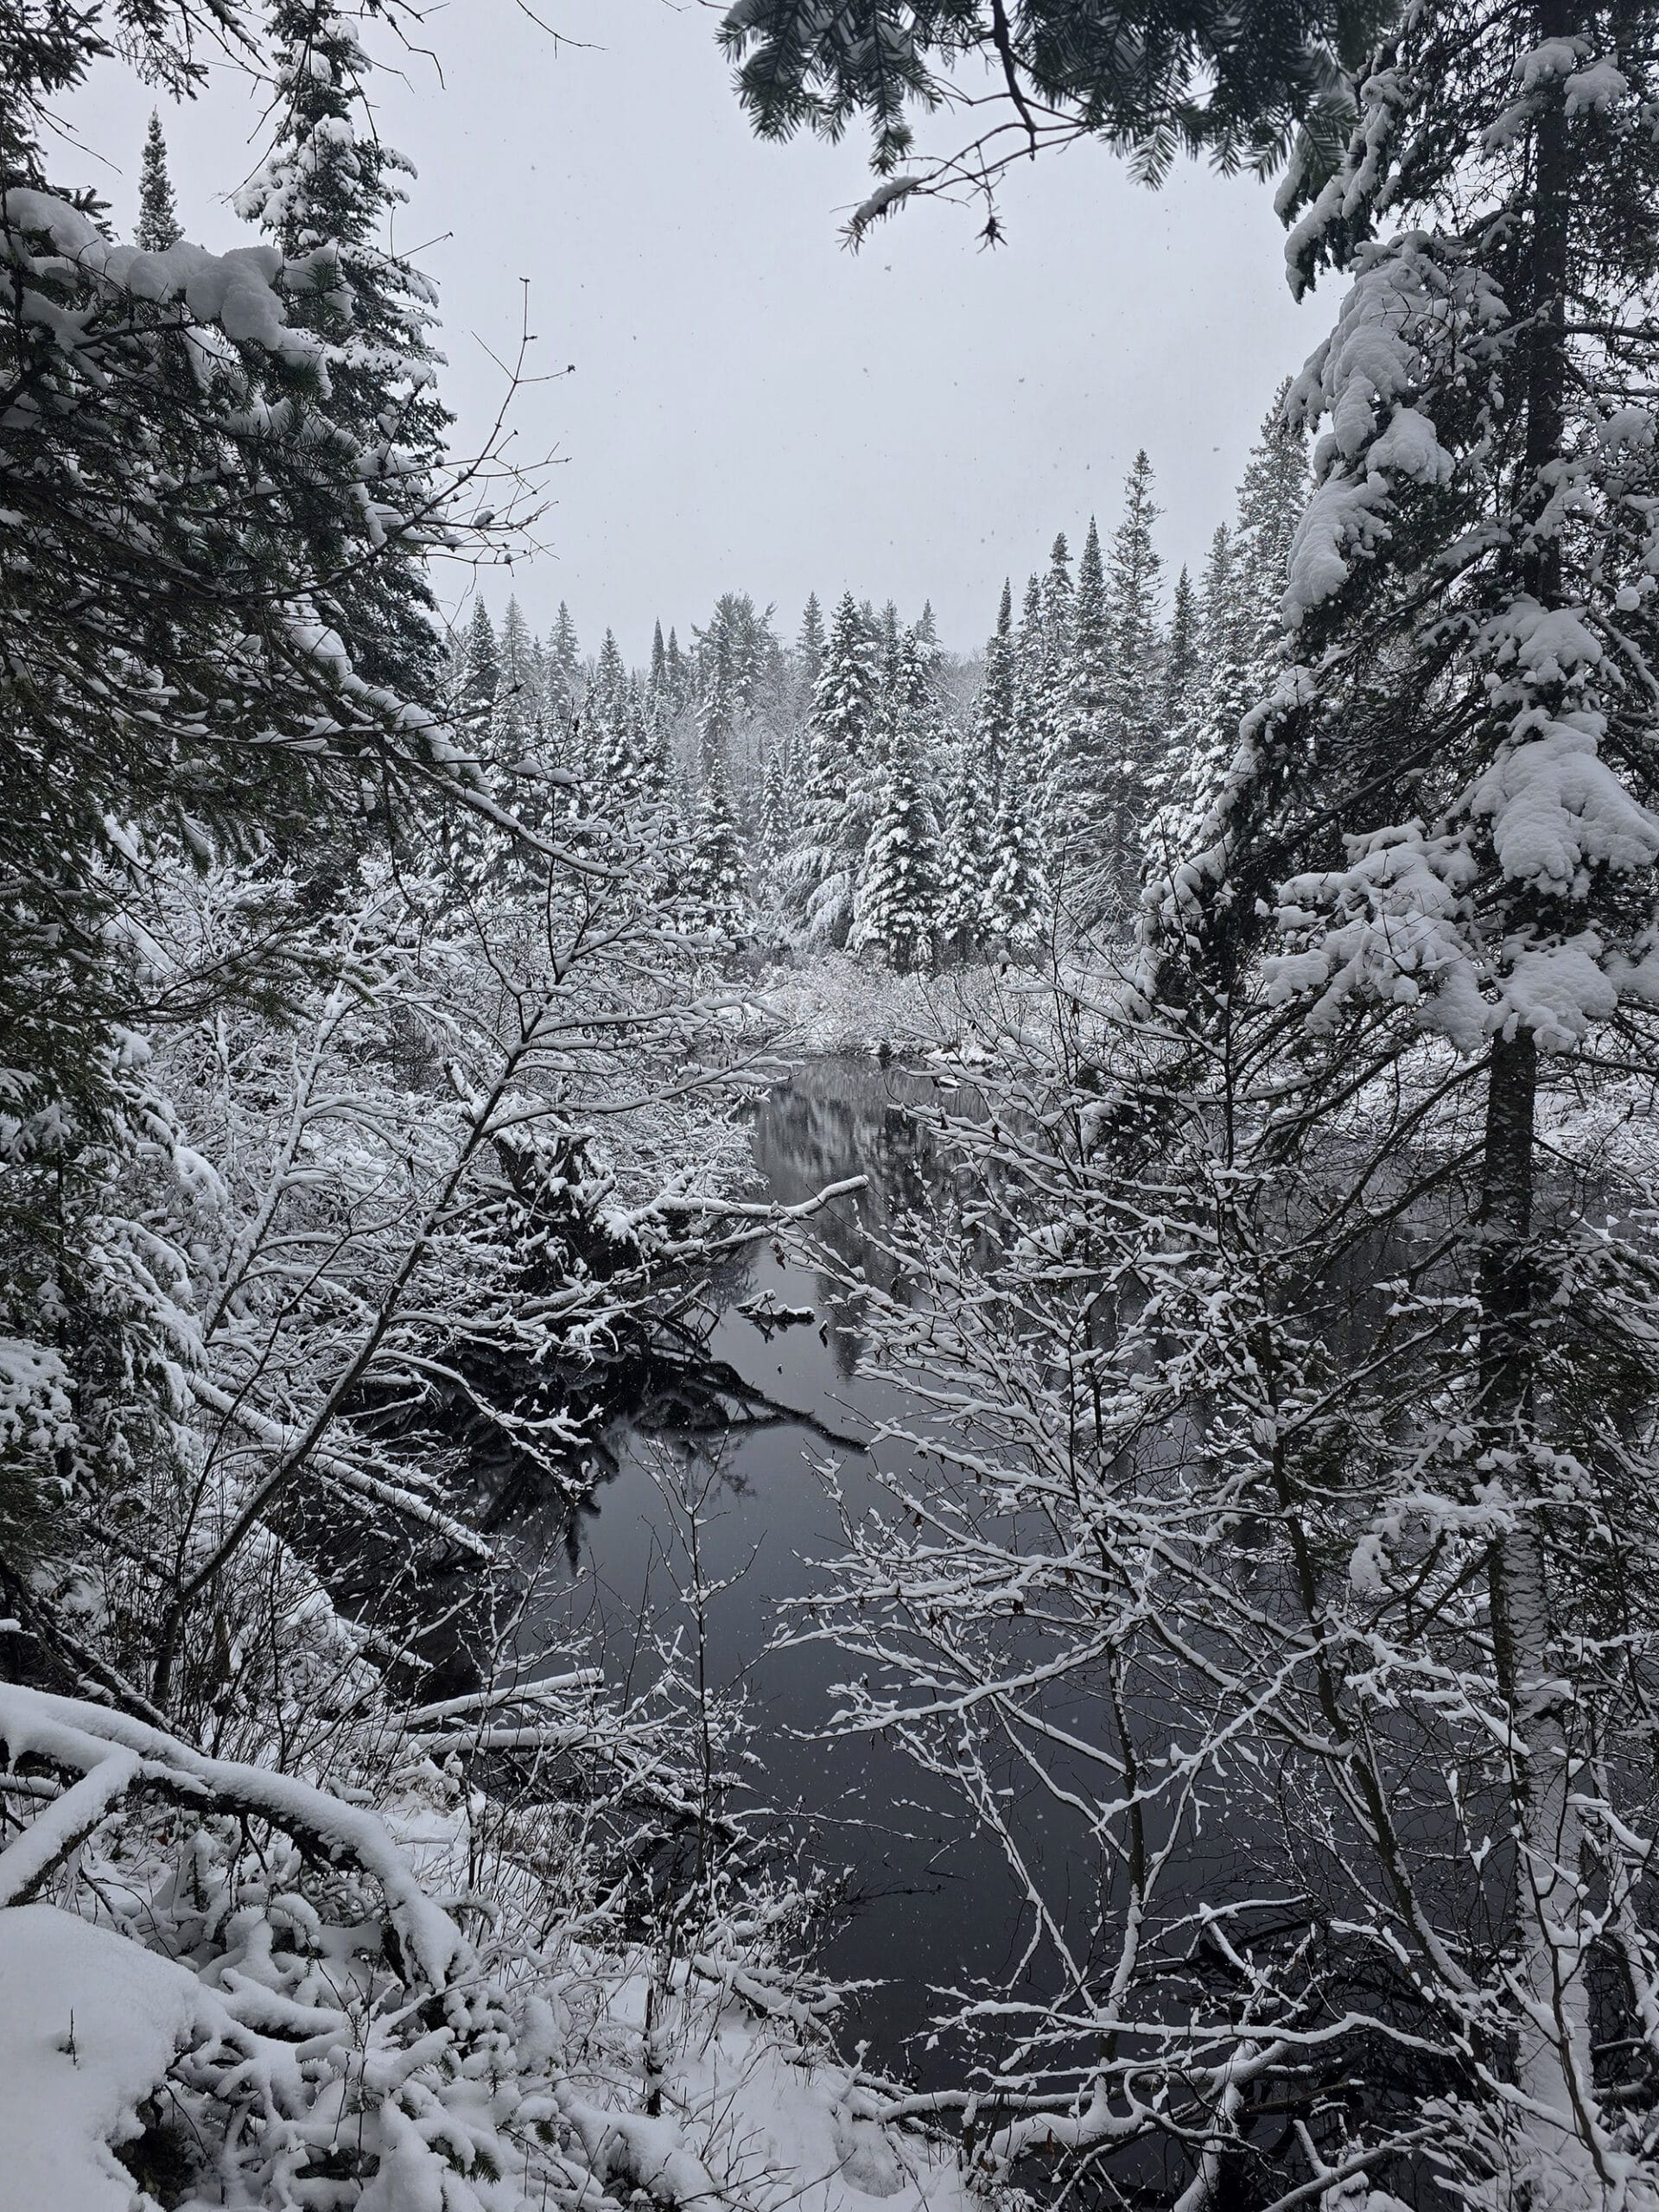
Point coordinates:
[(1127, 1153)]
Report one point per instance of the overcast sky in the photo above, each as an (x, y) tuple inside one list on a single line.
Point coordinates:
[(753, 409)]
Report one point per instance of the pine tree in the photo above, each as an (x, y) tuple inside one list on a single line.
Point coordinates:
[(721, 675), (158, 224), (325, 195), (1057, 593), (1224, 689), (1032, 736), (678, 671), (841, 730)]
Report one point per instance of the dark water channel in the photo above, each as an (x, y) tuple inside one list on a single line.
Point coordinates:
[(932, 1904)]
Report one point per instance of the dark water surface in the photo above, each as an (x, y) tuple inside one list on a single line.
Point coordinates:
[(936, 1908)]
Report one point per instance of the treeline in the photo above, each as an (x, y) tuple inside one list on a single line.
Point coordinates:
[(861, 787)]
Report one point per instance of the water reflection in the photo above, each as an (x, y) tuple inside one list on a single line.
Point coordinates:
[(936, 1908)]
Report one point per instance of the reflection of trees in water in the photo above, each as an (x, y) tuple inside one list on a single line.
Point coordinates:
[(837, 1118)]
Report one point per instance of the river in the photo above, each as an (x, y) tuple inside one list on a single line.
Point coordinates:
[(931, 1905)]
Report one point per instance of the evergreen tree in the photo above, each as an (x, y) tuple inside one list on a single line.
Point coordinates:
[(678, 671), (514, 714), (1232, 76), (1033, 692), (1271, 500), (1017, 894), (325, 195), (840, 731), (715, 886), (721, 672), (1058, 600), (1430, 881), (965, 866), (481, 668), (898, 900), (604, 714), (1182, 652), (158, 224), (1077, 773), (808, 646), (565, 687), (1133, 724), (995, 713), (1202, 743)]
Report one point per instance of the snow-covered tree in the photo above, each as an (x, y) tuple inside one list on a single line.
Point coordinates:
[(716, 887), (158, 225), (1133, 719), (1181, 654), (808, 646), (326, 195), (995, 715), (896, 913), (841, 729), (565, 684), (1017, 891), (478, 668), (1271, 499), (519, 687), (1302, 1397), (1076, 795), (971, 822)]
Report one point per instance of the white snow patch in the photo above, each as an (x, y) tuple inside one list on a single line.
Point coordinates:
[(89, 2026)]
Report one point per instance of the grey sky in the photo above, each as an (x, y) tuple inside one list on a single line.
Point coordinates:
[(754, 409)]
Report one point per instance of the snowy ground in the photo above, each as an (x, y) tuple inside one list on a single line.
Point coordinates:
[(836, 1002)]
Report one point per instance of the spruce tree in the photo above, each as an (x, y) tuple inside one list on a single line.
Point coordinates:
[(1033, 690), (808, 646), (518, 674), (718, 900), (1017, 894), (993, 720), (1077, 781), (1271, 499), (604, 717), (158, 225), (897, 913), (562, 662), (1181, 651), (966, 858), (1133, 721), (325, 195), (1204, 743), (481, 668), (840, 735)]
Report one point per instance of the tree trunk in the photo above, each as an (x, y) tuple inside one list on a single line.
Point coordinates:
[(1553, 2061)]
